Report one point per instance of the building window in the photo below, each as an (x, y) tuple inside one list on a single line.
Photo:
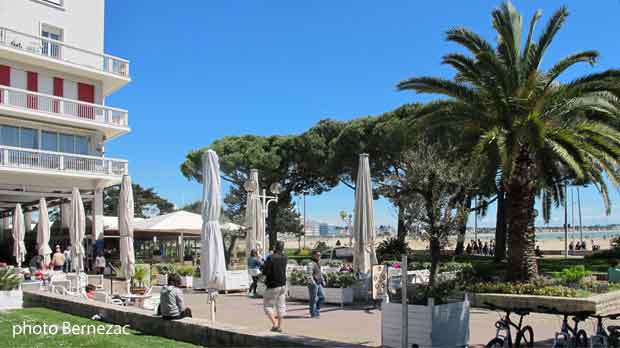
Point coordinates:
[(9, 136), (50, 48), (29, 138), (49, 141)]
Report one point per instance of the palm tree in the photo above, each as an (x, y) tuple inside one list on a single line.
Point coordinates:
[(536, 132)]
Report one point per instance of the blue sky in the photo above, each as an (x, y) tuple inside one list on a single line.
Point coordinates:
[(206, 69)]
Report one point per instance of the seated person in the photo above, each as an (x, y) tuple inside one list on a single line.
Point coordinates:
[(90, 291), (171, 305)]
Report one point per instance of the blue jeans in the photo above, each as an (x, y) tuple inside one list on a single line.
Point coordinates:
[(317, 297), (66, 267)]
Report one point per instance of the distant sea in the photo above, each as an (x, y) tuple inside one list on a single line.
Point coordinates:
[(587, 235)]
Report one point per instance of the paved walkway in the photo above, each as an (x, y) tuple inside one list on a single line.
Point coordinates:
[(357, 326)]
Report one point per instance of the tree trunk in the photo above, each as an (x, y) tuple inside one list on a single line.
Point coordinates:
[(522, 264), (435, 250), (462, 217), (401, 229), (228, 250), (500, 226), (271, 227)]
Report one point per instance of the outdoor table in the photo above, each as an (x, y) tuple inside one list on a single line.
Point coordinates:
[(136, 298)]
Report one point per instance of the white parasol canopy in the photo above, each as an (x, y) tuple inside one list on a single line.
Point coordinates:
[(125, 227), (77, 230), (212, 261), (255, 221), (363, 223), (43, 232), (19, 230)]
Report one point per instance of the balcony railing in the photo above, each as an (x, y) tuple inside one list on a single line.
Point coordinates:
[(48, 161), (33, 101), (61, 51)]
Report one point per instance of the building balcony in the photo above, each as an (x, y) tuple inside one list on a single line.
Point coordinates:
[(60, 56), (112, 122), (34, 161)]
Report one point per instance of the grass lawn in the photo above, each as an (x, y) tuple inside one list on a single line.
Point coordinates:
[(40, 316)]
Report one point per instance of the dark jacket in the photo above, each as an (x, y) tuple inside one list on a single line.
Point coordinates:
[(275, 271)]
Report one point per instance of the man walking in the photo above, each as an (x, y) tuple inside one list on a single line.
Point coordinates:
[(315, 284), (274, 300)]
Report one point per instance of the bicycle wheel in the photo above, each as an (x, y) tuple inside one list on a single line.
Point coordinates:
[(525, 338), (495, 343), (581, 340)]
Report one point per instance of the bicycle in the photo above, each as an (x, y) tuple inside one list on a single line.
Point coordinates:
[(606, 339), (503, 337), (569, 337)]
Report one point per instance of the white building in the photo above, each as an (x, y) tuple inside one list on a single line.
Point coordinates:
[(54, 121)]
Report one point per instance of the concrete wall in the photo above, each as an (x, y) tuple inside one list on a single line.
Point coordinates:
[(81, 20), (196, 331)]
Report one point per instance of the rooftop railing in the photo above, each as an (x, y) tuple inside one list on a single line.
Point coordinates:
[(67, 108), (64, 52)]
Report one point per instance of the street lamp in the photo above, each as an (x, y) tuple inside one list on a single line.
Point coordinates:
[(251, 187), (348, 219)]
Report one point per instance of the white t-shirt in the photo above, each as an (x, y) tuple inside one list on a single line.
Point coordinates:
[(100, 261)]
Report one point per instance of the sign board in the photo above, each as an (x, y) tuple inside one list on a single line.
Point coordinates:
[(379, 281)]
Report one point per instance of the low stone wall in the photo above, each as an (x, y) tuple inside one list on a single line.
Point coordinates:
[(601, 304), (192, 330)]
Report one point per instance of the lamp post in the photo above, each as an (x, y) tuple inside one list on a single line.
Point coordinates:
[(348, 219), (251, 187)]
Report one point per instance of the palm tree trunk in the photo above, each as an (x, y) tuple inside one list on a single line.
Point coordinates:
[(500, 227), (522, 265)]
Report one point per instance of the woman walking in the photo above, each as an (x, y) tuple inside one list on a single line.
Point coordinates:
[(254, 266)]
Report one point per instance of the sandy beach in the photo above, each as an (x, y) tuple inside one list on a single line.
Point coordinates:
[(417, 244)]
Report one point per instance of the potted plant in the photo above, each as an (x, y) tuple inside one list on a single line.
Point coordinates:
[(161, 278), (187, 275), (437, 190), (338, 286), (137, 281), (11, 296)]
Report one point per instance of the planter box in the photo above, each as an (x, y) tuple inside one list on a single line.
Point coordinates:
[(429, 326), (236, 280), (602, 304), (197, 283), (339, 296), (187, 281), (13, 299)]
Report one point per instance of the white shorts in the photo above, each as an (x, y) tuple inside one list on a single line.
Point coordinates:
[(274, 299)]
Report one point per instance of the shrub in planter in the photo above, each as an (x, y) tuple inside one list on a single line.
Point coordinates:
[(11, 297), (297, 278), (522, 289), (321, 246), (305, 252), (339, 279), (186, 273), (391, 249), (9, 280), (137, 281), (331, 263), (572, 276)]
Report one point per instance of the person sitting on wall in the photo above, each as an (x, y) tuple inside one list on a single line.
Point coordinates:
[(171, 305), (90, 291)]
